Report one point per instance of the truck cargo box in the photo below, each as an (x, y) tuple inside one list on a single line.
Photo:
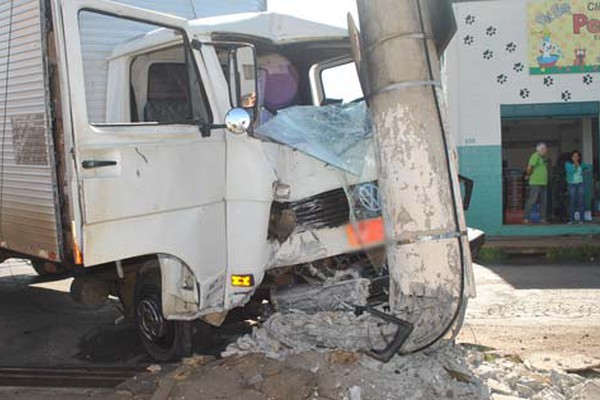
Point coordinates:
[(29, 218)]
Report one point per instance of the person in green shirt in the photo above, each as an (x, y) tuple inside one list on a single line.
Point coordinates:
[(574, 170), (537, 173)]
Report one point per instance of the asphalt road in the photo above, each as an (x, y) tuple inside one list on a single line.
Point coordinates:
[(42, 326)]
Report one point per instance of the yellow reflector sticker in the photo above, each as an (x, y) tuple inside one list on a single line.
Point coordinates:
[(242, 280)]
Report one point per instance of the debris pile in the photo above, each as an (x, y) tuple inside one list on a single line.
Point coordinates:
[(509, 378), (287, 334), (333, 375), (447, 372)]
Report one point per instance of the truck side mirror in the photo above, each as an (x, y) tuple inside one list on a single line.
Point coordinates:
[(238, 121), (243, 79)]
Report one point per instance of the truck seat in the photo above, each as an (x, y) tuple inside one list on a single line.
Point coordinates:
[(167, 111)]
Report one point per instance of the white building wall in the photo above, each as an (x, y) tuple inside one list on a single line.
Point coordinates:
[(488, 67)]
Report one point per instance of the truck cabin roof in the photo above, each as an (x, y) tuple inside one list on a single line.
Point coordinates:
[(268, 31)]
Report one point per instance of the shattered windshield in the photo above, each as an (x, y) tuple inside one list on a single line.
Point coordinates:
[(337, 134)]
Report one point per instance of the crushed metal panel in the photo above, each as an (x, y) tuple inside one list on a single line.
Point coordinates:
[(28, 200)]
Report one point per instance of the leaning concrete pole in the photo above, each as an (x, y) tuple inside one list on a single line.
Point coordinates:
[(425, 230)]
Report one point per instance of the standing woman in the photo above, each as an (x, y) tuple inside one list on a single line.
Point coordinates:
[(574, 170)]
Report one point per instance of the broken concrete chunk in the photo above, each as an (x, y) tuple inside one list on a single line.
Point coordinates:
[(487, 371), (549, 394), (532, 381), (504, 397), (524, 391), (564, 381), (354, 393), (589, 390), (256, 380), (499, 387), (475, 358), (154, 368)]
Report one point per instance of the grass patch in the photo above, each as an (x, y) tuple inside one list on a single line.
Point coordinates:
[(491, 255), (585, 253)]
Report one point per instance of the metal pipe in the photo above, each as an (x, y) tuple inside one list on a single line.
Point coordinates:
[(119, 266)]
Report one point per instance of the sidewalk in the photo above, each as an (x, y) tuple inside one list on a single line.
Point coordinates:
[(540, 245)]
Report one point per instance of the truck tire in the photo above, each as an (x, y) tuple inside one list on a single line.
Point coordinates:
[(163, 340)]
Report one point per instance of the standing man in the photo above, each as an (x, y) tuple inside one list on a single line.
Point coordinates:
[(537, 173)]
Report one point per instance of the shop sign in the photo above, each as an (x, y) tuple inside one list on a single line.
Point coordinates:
[(564, 36)]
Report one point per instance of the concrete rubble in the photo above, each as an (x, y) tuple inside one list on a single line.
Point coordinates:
[(447, 372), (295, 332)]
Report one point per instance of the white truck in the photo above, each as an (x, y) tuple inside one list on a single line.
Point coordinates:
[(129, 159)]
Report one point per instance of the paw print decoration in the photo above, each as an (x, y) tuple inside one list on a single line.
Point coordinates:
[(548, 81), (518, 67), (468, 40), (501, 79), (588, 79), (470, 19), (524, 93), (566, 95), (511, 47), (491, 31), (488, 54)]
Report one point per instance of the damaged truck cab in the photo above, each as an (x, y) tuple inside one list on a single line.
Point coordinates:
[(166, 181), (177, 184)]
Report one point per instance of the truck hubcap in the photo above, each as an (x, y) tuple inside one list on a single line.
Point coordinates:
[(152, 323)]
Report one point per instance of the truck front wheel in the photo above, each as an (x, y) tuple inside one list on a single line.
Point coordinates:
[(164, 340)]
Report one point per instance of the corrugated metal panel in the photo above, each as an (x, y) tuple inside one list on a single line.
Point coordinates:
[(98, 42), (28, 216)]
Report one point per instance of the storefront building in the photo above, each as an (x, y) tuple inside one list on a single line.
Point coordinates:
[(518, 73)]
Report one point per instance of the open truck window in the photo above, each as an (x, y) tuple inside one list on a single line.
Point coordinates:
[(341, 84), (335, 81), (139, 72)]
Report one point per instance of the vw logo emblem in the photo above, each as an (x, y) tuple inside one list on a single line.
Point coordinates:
[(368, 195)]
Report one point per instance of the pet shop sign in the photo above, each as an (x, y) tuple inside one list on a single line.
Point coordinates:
[(564, 36)]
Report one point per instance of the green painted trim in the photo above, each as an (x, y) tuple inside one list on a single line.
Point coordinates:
[(564, 70), (579, 109), (483, 164), (548, 230)]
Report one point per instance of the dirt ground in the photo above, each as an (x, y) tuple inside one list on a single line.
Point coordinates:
[(548, 314)]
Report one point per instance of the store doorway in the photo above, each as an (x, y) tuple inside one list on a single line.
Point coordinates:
[(562, 135)]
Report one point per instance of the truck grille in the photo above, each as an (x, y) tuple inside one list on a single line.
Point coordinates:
[(325, 210)]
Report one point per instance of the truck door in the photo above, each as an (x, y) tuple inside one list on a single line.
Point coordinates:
[(150, 175)]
